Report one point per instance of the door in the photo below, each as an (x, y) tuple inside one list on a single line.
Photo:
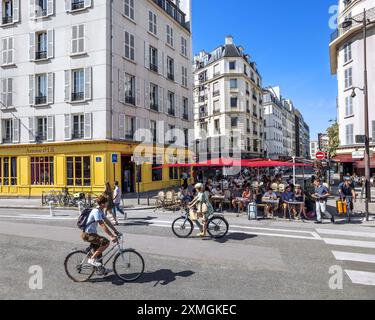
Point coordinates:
[(127, 175)]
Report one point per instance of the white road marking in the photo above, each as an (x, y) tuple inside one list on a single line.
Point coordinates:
[(361, 277), (349, 243), (38, 217), (346, 233), (357, 257)]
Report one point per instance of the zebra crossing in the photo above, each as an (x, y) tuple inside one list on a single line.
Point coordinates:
[(355, 250)]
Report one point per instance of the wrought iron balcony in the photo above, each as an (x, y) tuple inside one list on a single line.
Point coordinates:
[(130, 100), (39, 55), (78, 96), (76, 5), (40, 100), (154, 106), (172, 10), (153, 67), (7, 19)]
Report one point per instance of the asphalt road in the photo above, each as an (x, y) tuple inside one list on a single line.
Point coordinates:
[(258, 260)]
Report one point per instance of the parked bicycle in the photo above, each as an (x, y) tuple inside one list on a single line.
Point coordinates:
[(128, 265), (217, 226)]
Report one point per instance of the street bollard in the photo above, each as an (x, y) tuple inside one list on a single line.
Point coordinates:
[(148, 199), (51, 213)]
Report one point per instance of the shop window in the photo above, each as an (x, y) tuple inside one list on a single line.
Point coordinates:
[(157, 175), (78, 171), (173, 173), (42, 171), (8, 171)]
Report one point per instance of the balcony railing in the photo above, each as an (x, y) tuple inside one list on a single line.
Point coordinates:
[(171, 112), (217, 111), (39, 55), (129, 136), (154, 106), (171, 9), (171, 76), (40, 136), (153, 67), (203, 114), (7, 19), (185, 116), (77, 135), (130, 100), (41, 12), (76, 5), (7, 140), (40, 100), (78, 96)]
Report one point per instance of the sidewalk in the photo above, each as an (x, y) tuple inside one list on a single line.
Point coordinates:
[(129, 204)]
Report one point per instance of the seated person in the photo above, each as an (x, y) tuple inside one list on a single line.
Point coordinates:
[(236, 194), (300, 197), (270, 208), (288, 196), (247, 197)]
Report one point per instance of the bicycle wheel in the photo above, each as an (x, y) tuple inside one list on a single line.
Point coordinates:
[(128, 265), (77, 268), (182, 227), (218, 227)]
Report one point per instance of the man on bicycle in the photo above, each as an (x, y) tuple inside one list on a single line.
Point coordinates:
[(347, 192), (99, 244)]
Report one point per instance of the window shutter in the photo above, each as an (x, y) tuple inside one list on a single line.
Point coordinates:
[(177, 106), (10, 92), (68, 5), (88, 125), (50, 128), (88, 83), (16, 130), (50, 7), (16, 10), (81, 36), (160, 136), (88, 3), (50, 91), (32, 46), (32, 9), (147, 55), (4, 51), (10, 59), (177, 73), (50, 47), (161, 100), (67, 127), (32, 90), (74, 39), (67, 86), (32, 129), (121, 127), (138, 89), (121, 86), (137, 135), (161, 63), (4, 92), (147, 94)]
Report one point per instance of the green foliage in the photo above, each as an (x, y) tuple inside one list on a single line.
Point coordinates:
[(334, 139)]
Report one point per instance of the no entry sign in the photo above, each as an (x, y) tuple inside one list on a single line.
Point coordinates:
[(320, 155)]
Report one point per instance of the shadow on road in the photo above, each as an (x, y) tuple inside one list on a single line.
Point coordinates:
[(160, 277), (140, 222), (237, 236)]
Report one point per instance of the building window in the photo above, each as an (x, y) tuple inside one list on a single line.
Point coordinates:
[(157, 175), (186, 137), (78, 126), (185, 102), (130, 89), (232, 65), (347, 52), (171, 103), (348, 106), (216, 106), (129, 46), (41, 129), (234, 122), (77, 5), (8, 171), (78, 171), (217, 126), (170, 37), (348, 78), (78, 39), (152, 26), (42, 171), (7, 131), (170, 68), (154, 97), (129, 128), (233, 83), (129, 9), (173, 174), (349, 131), (184, 47), (7, 92), (78, 79), (153, 131), (216, 70), (233, 102), (41, 46), (172, 134), (10, 11), (41, 89), (153, 59)]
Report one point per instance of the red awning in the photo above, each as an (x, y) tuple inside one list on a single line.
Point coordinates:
[(344, 158), (361, 164)]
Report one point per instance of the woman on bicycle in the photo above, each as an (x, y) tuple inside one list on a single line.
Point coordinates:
[(204, 208)]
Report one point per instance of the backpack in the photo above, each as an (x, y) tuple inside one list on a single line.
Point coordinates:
[(82, 219)]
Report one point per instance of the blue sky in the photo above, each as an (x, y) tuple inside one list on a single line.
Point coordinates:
[(287, 39)]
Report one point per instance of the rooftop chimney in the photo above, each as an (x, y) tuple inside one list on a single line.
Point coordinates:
[(228, 40)]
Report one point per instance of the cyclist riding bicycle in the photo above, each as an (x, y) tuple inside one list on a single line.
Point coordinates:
[(98, 243), (347, 192)]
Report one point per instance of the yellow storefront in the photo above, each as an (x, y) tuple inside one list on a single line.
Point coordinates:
[(30, 170)]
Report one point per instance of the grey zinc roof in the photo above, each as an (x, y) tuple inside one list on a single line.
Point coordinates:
[(231, 51)]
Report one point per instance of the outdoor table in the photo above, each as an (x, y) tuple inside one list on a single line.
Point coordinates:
[(239, 200), (271, 201), (292, 203), (218, 199)]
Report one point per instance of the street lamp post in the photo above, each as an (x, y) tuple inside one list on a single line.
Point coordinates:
[(346, 24)]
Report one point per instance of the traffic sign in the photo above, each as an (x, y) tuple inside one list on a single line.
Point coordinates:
[(114, 158), (320, 155)]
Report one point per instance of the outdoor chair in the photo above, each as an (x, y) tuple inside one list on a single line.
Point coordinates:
[(159, 201)]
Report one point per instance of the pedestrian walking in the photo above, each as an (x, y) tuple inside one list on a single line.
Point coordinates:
[(321, 195), (117, 197), (108, 193)]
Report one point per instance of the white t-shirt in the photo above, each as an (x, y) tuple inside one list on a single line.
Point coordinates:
[(117, 195)]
